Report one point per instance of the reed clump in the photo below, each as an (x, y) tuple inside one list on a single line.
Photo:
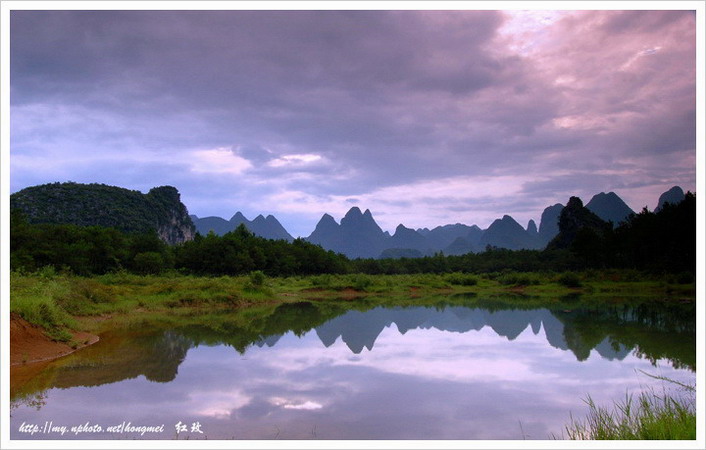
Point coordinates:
[(650, 416)]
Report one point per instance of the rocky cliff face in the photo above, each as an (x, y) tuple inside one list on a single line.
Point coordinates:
[(174, 225), (176, 230)]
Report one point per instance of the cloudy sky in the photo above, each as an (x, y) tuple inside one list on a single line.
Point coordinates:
[(424, 117)]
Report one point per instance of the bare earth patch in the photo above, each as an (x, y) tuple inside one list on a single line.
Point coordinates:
[(29, 344)]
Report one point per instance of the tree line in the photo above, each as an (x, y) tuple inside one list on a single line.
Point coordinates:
[(660, 242)]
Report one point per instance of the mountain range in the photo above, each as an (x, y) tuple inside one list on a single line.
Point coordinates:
[(267, 227), (359, 236)]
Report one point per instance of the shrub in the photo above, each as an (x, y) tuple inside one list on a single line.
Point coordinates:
[(517, 279), (257, 278), (49, 317), (47, 273), (84, 297), (322, 281), (569, 279), (148, 263), (361, 282), (461, 279)]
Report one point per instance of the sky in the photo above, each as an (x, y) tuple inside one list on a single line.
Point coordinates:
[(424, 117)]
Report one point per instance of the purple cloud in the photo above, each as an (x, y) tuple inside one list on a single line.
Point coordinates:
[(327, 105)]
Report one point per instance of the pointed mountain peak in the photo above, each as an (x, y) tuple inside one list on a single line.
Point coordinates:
[(353, 212), (506, 233), (674, 195), (675, 190), (260, 219), (325, 229), (327, 219), (574, 203), (549, 222), (507, 221), (355, 218), (532, 227), (609, 207), (401, 229), (603, 197), (238, 218)]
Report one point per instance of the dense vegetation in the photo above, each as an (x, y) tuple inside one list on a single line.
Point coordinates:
[(240, 252), (102, 205), (84, 250)]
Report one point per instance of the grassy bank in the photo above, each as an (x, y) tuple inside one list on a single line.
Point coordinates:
[(652, 416), (55, 301)]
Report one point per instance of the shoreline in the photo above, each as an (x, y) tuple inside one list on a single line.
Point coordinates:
[(29, 343)]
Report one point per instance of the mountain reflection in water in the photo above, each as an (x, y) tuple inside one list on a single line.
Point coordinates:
[(356, 370), (613, 333)]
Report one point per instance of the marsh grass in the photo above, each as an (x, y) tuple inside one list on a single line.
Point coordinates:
[(651, 416), (34, 299)]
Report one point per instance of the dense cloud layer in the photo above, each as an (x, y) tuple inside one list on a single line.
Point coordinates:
[(424, 117)]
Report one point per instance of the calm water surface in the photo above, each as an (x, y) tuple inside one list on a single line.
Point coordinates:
[(312, 371)]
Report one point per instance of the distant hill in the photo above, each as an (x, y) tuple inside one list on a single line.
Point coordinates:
[(674, 196), (507, 233), (443, 236), (609, 207), (218, 225), (532, 228), (269, 227), (358, 235), (460, 246), (549, 223), (130, 211), (406, 238), (266, 227), (574, 218)]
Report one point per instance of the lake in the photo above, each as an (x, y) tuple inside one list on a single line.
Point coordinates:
[(457, 369)]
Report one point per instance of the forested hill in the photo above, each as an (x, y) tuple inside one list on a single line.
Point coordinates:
[(130, 211)]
